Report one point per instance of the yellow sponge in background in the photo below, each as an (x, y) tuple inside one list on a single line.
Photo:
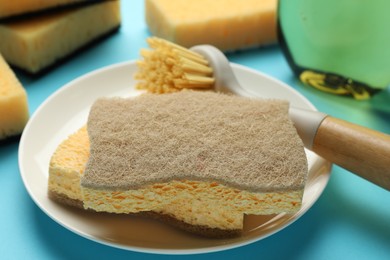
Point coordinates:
[(13, 103), (226, 24), (38, 42), (10, 8)]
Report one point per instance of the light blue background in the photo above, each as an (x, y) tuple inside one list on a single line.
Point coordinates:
[(351, 220)]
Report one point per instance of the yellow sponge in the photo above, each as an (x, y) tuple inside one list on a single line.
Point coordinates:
[(13, 103), (36, 43), (226, 24), (11, 8)]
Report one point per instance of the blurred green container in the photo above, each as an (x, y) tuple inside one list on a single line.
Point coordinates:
[(337, 46)]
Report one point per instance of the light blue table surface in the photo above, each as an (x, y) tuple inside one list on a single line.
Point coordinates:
[(351, 220)]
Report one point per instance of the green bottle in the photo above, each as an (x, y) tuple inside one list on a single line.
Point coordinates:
[(338, 46)]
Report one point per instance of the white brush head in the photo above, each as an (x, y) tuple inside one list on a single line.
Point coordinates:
[(225, 80)]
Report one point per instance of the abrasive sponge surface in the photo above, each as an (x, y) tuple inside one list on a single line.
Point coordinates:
[(245, 143)]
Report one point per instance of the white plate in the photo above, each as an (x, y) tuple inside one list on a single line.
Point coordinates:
[(66, 111)]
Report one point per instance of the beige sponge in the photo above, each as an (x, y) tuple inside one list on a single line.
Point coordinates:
[(226, 24), (204, 158), (197, 136)]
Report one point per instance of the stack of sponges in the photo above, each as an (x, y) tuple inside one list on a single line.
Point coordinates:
[(226, 24), (37, 34)]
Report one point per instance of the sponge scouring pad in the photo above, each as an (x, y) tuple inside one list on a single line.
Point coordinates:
[(202, 157)]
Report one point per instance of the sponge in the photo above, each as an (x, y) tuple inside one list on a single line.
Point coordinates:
[(67, 167), (194, 135), (226, 24), (38, 42), (19, 7), (203, 157), (195, 204), (13, 103), (67, 164)]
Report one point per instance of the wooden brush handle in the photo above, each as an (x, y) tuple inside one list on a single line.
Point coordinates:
[(360, 150)]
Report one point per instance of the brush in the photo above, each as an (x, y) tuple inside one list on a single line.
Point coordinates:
[(169, 67)]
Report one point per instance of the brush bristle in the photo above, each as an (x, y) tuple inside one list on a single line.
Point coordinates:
[(168, 67)]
